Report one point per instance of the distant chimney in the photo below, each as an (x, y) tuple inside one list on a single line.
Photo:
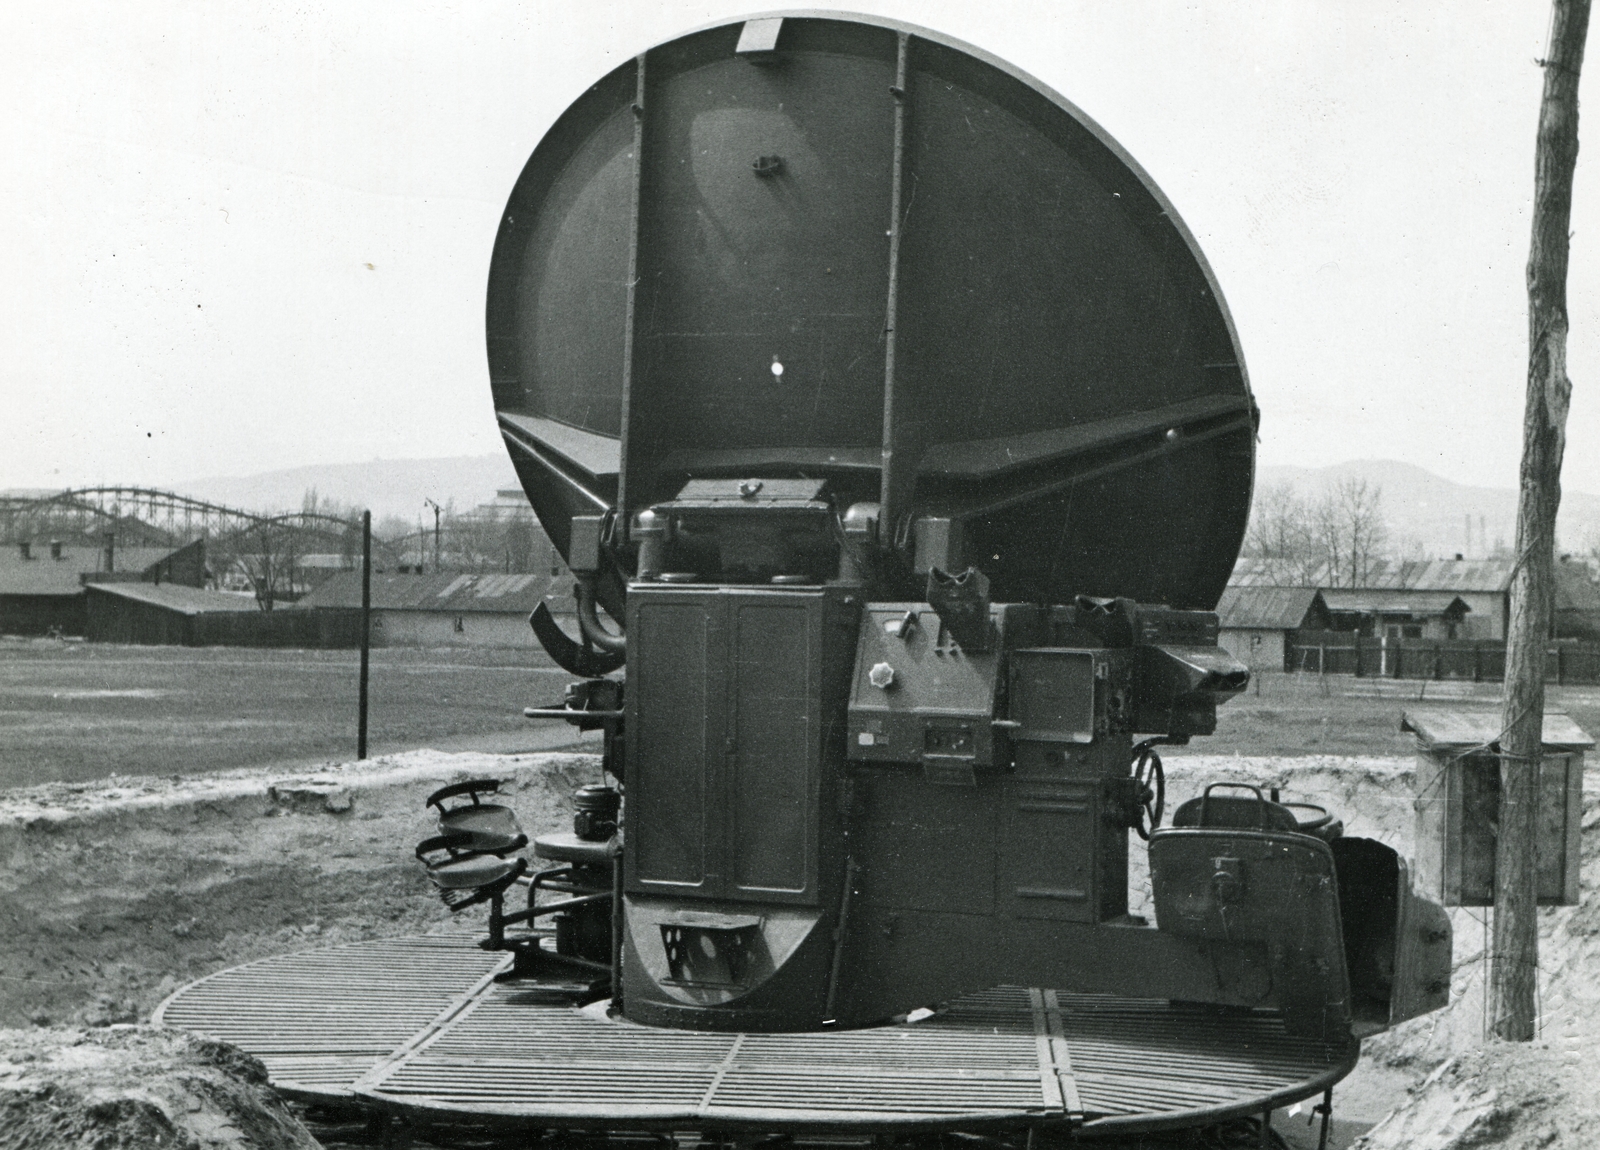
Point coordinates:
[(26, 548), (55, 548)]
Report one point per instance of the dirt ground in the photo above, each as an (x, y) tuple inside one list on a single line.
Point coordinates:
[(1518, 1096), (111, 897)]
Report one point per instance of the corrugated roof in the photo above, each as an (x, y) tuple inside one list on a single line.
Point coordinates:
[(1454, 729), (519, 593), (1265, 608), (1444, 575), (42, 575), (1459, 575), (176, 597), (1378, 600)]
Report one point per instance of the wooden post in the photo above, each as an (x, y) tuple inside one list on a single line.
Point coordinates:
[(366, 629), (1513, 978)]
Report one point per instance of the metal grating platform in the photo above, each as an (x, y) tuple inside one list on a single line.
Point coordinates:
[(419, 1026), (321, 1019)]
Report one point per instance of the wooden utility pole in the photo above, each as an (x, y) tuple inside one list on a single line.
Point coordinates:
[(1513, 982), (366, 631)]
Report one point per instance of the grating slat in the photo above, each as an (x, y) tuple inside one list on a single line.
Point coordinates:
[(322, 1019), (417, 1024)]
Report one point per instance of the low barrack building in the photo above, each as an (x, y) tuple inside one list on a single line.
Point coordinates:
[(445, 610), (1429, 586), (152, 614), (149, 614), (42, 583), (1256, 622), (1399, 614)]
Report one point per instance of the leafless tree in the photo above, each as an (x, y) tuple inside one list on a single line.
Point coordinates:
[(1350, 531), (1282, 537), (494, 539), (1331, 541), (267, 554)]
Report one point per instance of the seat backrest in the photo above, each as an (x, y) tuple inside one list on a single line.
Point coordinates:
[(491, 827), (1274, 890), (1238, 884), (1257, 813)]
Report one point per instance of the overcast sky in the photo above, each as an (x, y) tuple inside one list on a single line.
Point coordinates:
[(245, 236)]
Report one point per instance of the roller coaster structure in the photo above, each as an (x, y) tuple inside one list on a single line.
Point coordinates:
[(263, 546), (149, 517), (142, 516)]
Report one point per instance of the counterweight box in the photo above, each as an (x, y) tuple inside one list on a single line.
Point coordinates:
[(1458, 800)]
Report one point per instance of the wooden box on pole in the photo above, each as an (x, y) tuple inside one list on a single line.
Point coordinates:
[(1458, 797)]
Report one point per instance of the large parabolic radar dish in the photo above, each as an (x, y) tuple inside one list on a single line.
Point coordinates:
[(826, 246)]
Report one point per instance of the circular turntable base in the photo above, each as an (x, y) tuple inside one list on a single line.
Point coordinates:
[(418, 1028)]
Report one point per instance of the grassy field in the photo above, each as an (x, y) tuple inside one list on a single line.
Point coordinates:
[(1341, 715), (76, 711)]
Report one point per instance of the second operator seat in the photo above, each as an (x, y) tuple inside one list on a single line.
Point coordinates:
[(467, 861), (1248, 877)]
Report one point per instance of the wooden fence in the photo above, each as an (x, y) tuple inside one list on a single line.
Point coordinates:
[(117, 620), (335, 628), (1473, 660)]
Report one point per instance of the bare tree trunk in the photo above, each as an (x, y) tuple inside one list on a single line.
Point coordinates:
[(1514, 977)]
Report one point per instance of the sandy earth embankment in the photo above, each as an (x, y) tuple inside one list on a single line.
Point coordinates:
[(113, 894), (131, 1088)]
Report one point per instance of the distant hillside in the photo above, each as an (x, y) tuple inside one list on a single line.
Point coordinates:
[(1441, 516), (386, 486)]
